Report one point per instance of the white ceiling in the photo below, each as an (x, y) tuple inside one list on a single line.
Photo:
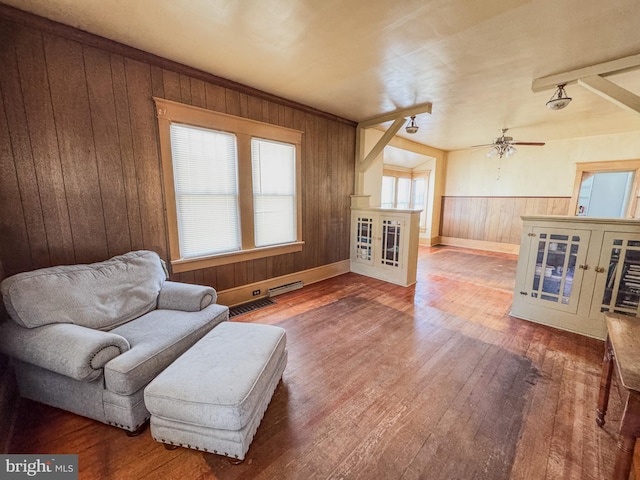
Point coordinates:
[(473, 60)]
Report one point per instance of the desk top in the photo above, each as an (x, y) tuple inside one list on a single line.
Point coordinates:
[(624, 335)]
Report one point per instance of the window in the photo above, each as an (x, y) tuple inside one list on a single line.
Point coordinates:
[(405, 190), (207, 211), (231, 186), (388, 199), (403, 199), (606, 189), (419, 199), (274, 192)]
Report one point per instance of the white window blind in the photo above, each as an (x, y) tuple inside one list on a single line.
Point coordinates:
[(274, 192), (404, 193), (388, 192), (419, 194), (206, 188)]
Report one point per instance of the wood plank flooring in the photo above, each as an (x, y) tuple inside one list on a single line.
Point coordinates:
[(435, 381)]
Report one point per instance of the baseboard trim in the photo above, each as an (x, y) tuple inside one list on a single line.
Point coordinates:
[(429, 242), (481, 245), (243, 294)]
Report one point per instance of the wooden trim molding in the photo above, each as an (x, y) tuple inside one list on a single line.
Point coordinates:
[(186, 265), (243, 294), (175, 112), (481, 245)]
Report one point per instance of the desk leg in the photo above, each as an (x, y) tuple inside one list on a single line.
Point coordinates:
[(624, 457), (605, 383)]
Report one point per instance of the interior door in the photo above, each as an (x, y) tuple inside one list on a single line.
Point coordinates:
[(556, 267)]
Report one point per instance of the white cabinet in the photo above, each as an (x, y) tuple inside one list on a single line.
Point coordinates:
[(571, 269), (384, 244)]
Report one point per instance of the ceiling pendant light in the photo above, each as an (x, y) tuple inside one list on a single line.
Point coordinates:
[(560, 99), (412, 127)]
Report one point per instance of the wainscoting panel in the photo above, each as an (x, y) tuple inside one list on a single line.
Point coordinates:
[(494, 220)]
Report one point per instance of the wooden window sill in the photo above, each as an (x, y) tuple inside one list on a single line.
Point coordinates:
[(188, 264)]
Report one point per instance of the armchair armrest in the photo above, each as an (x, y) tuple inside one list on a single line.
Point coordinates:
[(185, 296), (71, 350)]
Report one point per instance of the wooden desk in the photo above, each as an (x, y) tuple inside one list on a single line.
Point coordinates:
[(622, 351)]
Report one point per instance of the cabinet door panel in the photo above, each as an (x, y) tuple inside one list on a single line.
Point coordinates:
[(556, 267), (617, 286), (363, 242), (392, 231)]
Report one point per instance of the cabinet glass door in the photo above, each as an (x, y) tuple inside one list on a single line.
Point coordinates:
[(556, 267), (390, 251), (364, 239), (619, 274)]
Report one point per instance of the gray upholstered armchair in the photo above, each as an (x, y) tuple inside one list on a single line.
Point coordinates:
[(89, 338)]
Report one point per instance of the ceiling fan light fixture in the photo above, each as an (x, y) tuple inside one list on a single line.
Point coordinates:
[(559, 99), (504, 146), (412, 127)]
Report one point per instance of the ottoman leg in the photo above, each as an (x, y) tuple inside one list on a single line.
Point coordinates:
[(138, 430), (170, 447)]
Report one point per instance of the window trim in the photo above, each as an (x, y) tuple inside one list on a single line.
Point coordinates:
[(585, 168), (168, 112)]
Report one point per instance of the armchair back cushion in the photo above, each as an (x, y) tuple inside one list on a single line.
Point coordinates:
[(100, 295)]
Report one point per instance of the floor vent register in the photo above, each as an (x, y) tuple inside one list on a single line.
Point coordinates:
[(250, 307)]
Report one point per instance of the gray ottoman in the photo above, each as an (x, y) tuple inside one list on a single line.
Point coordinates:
[(213, 397)]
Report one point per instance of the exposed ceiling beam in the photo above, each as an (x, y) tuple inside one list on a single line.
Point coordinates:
[(399, 117), (602, 69), (415, 147), (395, 115), (612, 92), (366, 162)]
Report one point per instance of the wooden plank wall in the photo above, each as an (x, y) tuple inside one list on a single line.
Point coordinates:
[(495, 219), (79, 154)]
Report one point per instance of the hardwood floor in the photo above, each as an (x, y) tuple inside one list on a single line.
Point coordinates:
[(435, 381)]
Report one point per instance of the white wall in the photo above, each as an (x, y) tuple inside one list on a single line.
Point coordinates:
[(533, 171)]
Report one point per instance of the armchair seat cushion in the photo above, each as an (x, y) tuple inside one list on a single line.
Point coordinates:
[(156, 340)]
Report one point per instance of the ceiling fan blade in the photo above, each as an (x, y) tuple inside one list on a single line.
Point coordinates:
[(484, 145), (537, 144)]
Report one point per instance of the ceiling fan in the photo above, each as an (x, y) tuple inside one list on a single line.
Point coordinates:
[(504, 146)]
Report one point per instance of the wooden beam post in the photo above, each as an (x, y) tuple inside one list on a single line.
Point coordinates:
[(401, 113), (398, 117), (612, 92), (602, 69), (365, 163)]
